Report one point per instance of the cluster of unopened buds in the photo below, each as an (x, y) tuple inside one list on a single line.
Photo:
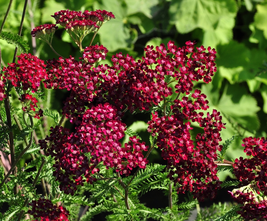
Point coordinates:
[(100, 95)]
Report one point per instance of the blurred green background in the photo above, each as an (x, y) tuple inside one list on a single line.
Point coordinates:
[(237, 29)]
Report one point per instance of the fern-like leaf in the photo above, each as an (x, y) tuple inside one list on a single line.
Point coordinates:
[(53, 114), (16, 40), (230, 215), (187, 205), (226, 145), (150, 178), (230, 183)]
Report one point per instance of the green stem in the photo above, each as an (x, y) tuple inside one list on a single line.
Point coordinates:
[(7, 11), (126, 191), (62, 120), (198, 210), (55, 51), (13, 165), (170, 195), (20, 28), (34, 183), (9, 124), (20, 127), (91, 42)]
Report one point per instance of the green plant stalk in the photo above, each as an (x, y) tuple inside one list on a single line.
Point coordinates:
[(62, 121), (7, 101), (54, 50), (20, 28), (91, 42), (9, 124), (7, 12), (34, 183), (126, 188), (26, 142), (170, 195), (30, 11), (18, 158)]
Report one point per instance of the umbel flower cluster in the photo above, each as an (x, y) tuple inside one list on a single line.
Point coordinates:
[(251, 173), (162, 79)]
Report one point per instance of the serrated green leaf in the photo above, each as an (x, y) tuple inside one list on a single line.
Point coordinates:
[(221, 34), (232, 60), (261, 18), (122, 35), (188, 15), (148, 8)]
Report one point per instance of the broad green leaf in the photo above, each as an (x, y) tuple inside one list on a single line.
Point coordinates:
[(232, 60), (238, 107), (237, 63), (115, 34), (148, 8), (190, 14), (261, 18), (50, 8), (264, 96), (249, 5), (222, 34), (76, 5), (253, 85), (257, 36), (144, 23), (154, 42), (255, 62), (236, 103)]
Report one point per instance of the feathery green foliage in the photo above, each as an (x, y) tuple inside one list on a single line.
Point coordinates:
[(226, 145), (219, 212), (16, 40)]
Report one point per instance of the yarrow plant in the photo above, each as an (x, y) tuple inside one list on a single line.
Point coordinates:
[(86, 162)]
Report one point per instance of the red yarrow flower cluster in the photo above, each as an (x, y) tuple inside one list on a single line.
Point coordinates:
[(2, 87), (77, 77), (42, 30), (44, 210), (98, 134), (253, 169), (142, 84), (70, 163), (27, 73), (191, 165), (101, 131), (95, 53), (133, 85), (95, 18), (185, 64), (253, 207), (29, 104), (78, 25)]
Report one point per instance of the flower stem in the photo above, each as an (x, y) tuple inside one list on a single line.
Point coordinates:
[(62, 120), (7, 11), (34, 183), (55, 51), (13, 164), (20, 28), (170, 195)]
